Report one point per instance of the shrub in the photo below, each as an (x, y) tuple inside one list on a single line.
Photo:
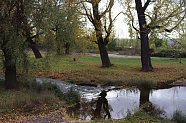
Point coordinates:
[(72, 97), (170, 54)]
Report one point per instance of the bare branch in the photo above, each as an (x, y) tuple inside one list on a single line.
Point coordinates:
[(146, 5), (110, 5), (117, 16), (170, 30), (89, 15), (134, 26), (109, 29)]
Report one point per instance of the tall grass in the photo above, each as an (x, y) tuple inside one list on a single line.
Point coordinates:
[(30, 98), (22, 99)]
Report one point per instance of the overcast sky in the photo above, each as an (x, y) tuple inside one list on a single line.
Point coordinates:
[(120, 25)]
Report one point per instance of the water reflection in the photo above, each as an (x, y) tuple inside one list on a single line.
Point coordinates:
[(144, 95), (163, 102), (102, 106), (94, 109), (147, 106)]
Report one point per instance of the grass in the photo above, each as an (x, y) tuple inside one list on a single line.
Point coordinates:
[(123, 72), (32, 99), (143, 115), (24, 102), (139, 117)]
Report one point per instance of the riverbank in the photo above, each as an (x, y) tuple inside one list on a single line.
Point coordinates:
[(35, 104), (82, 69), (124, 72), (29, 103)]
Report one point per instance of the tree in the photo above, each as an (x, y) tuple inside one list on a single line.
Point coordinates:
[(145, 50), (96, 18), (10, 27), (162, 16), (66, 22), (16, 27)]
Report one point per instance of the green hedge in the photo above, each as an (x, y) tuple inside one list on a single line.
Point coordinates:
[(170, 54)]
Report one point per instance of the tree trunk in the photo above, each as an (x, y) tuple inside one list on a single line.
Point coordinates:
[(10, 69), (145, 51), (100, 41), (67, 48), (34, 48), (103, 53), (59, 46), (29, 39)]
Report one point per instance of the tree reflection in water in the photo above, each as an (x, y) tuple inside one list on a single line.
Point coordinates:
[(102, 104), (147, 106), (95, 109), (100, 109)]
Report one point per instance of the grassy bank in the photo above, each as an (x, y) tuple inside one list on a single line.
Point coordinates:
[(123, 72), (24, 102), (27, 103), (139, 117)]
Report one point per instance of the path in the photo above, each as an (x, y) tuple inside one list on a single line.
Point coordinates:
[(117, 56)]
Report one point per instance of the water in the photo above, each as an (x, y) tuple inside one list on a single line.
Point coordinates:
[(124, 101), (167, 100)]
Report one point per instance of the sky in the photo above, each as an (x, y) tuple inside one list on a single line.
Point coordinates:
[(120, 25)]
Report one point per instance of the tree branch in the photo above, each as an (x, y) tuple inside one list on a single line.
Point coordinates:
[(170, 30), (146, 5), (134, 26), (110, 5), (89, 15)]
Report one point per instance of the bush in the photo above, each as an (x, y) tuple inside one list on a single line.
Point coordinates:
[(170, 54), (72, 97)]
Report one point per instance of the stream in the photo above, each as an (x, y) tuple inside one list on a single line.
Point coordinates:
[(122, 102)]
